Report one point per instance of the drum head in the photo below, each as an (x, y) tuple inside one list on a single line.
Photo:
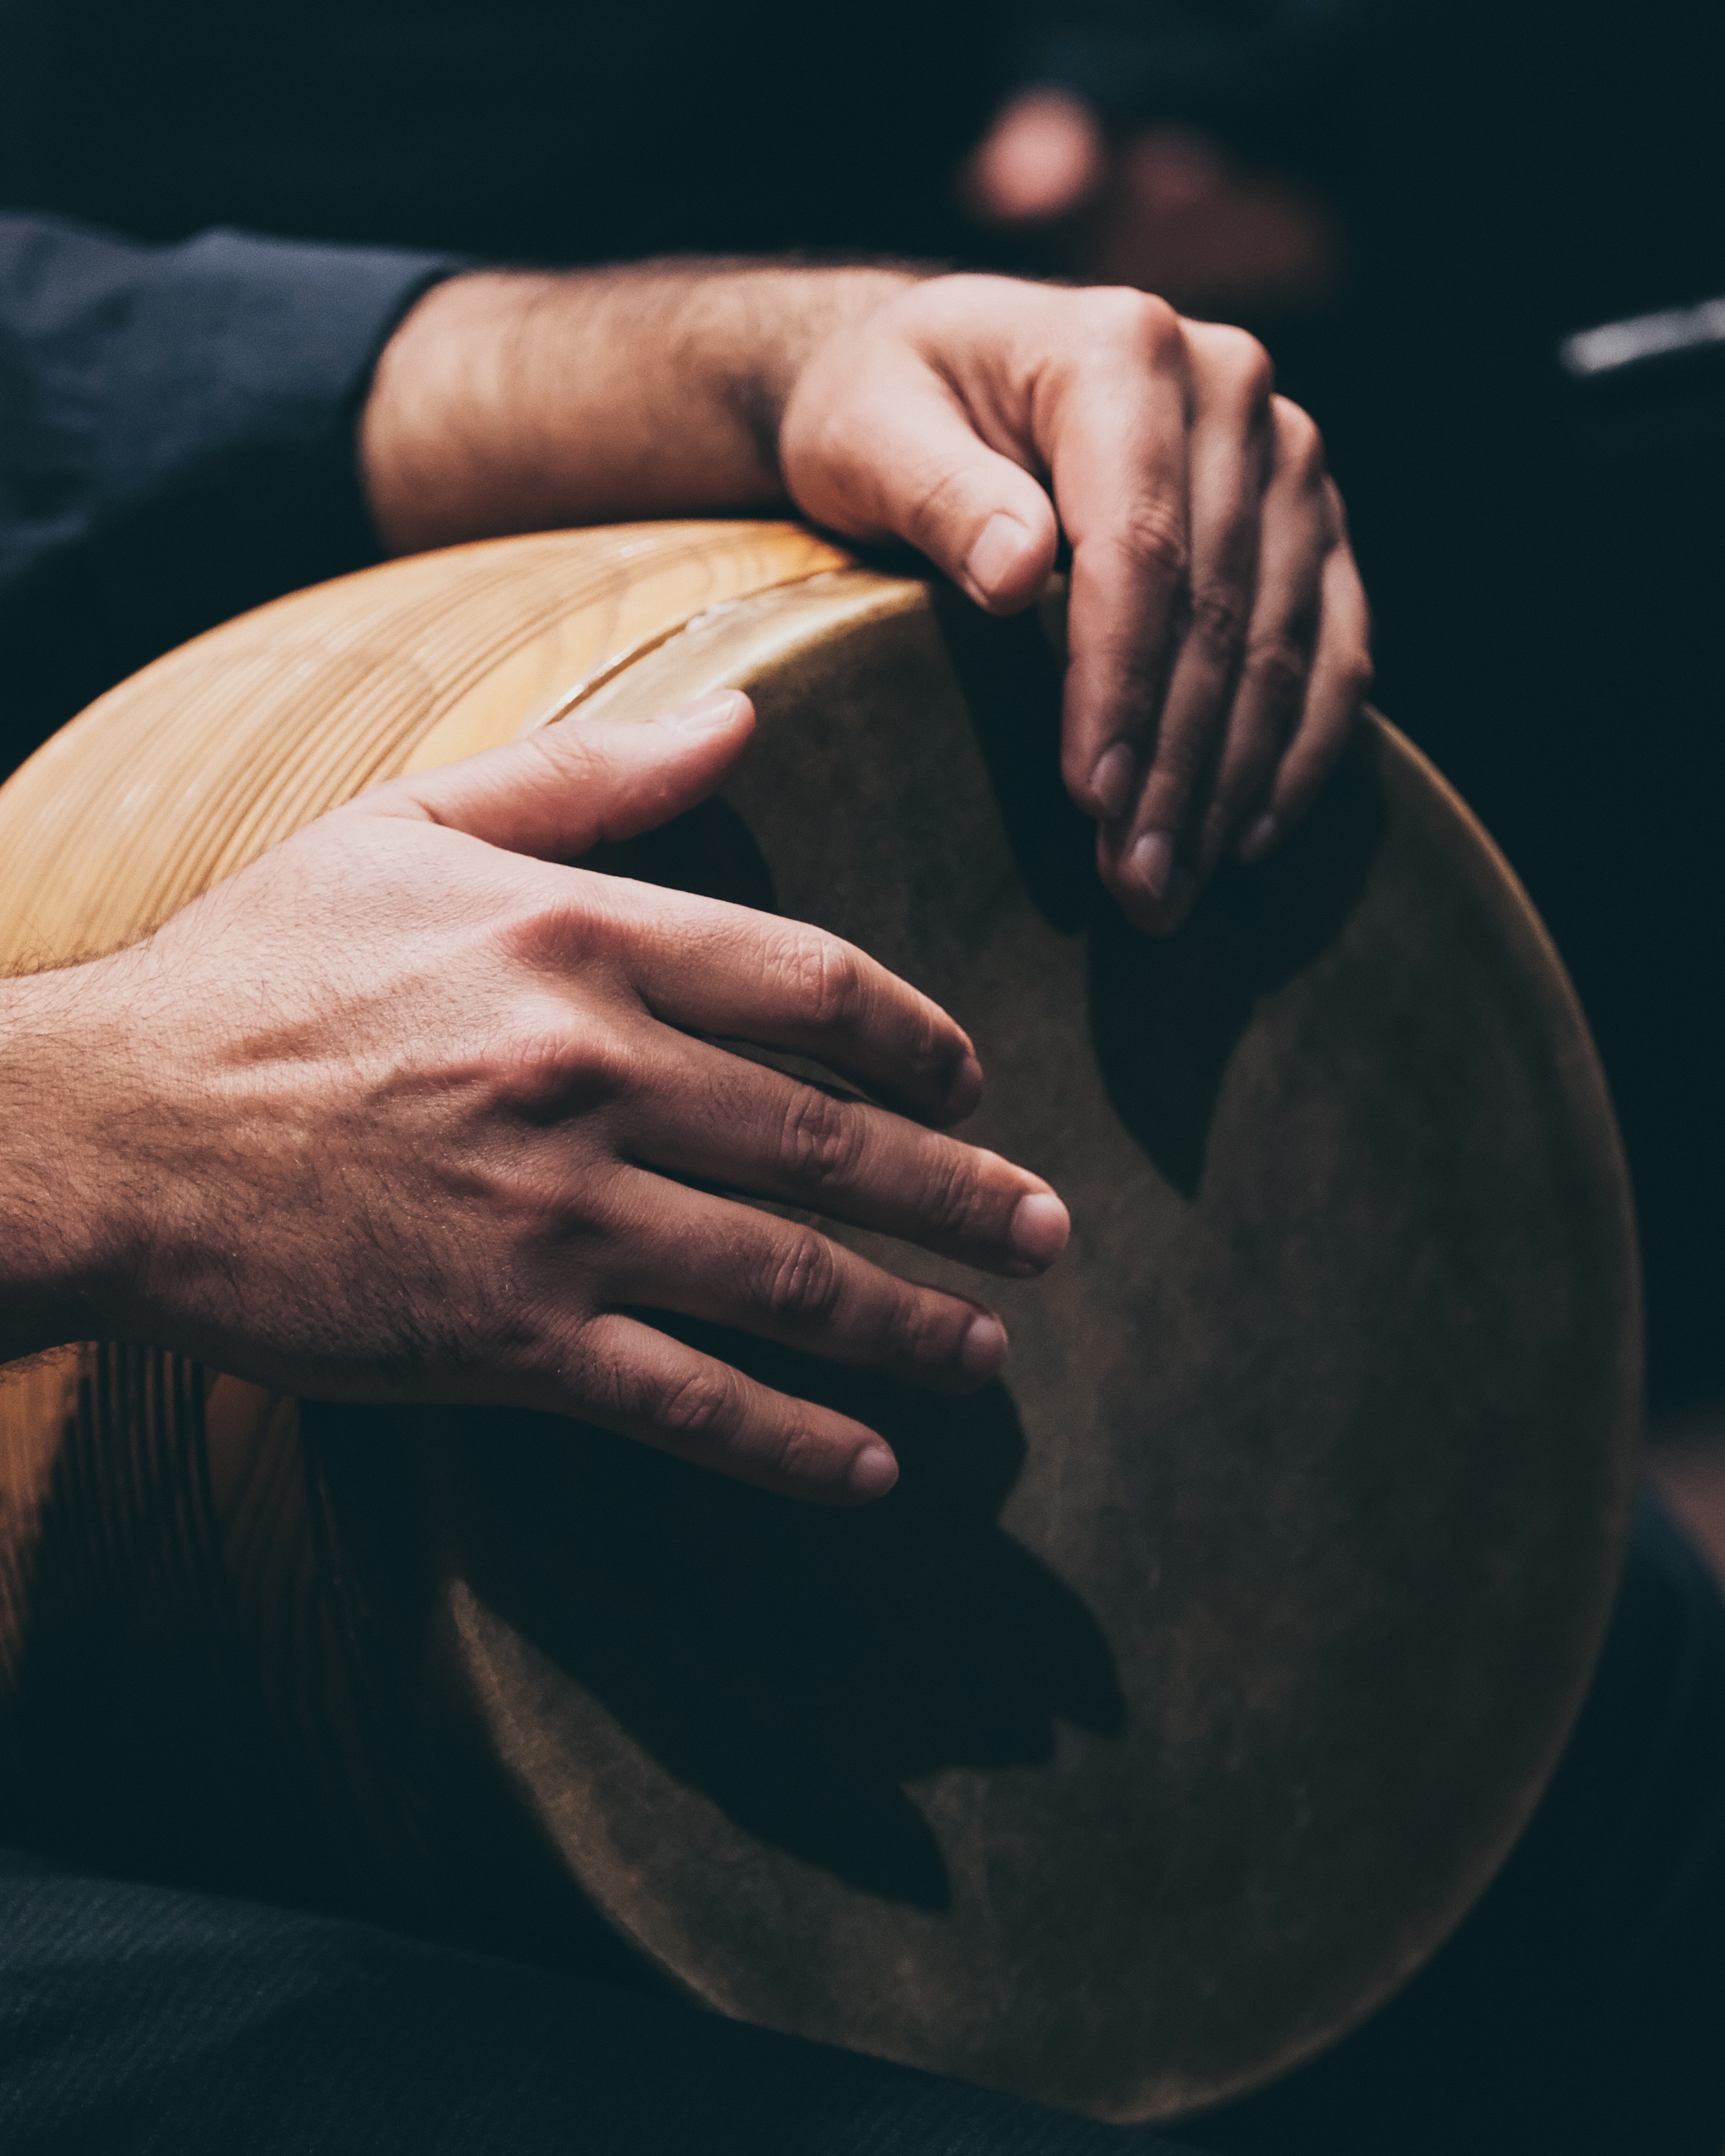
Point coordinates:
[(1198, 1674)]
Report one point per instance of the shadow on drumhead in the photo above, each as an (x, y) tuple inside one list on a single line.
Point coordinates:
[(799, 1665), (1167, 1013)]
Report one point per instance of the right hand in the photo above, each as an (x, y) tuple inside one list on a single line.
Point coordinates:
[(407, 1111), (1219, 638)]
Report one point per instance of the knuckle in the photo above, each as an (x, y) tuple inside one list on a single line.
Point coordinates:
[(1234, 367), (1152, 538), (797, 1454), (824, 1139), (551, 923), (1251, 366), (1276, 668), (552, 1062), (827, 981), (1140, 319), (701, 1403), (1299, 443), (929, 1043), (1217, 620), (922, 1331), (952, 1199), (801, 1283), (604, 1388)]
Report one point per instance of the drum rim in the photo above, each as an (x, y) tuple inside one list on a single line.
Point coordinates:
[(853, 597)]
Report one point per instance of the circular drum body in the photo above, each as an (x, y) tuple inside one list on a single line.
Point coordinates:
[(1195, 1678)]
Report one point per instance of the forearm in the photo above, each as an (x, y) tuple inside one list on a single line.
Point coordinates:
[(509, 402)]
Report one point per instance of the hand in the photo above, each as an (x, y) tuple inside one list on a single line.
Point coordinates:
[(1217, 626), (406, 1110)]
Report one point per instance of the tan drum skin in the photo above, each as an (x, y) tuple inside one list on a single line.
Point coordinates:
[(1197, 1676)]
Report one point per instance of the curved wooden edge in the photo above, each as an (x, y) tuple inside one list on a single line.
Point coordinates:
[(183, 774), (731, 645), (197, 763), (655, 604)]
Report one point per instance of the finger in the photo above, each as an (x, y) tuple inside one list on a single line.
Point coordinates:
[(995, 382), (1116, 443), (1335, 698), (1230, 462), (705, 965), (698, 1256), (582, 781), (629, 1378), (907, 461), (1300, 531), (729, 1122)]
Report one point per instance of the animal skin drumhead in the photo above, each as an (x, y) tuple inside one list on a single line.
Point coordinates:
[(1198, 1673)]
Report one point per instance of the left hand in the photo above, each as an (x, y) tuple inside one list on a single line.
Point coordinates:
[(1218, 628)]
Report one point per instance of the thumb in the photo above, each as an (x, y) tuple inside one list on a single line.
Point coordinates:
[(573, 785), (907, 462)]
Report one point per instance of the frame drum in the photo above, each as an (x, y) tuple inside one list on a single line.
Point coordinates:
[(1198, 1674)]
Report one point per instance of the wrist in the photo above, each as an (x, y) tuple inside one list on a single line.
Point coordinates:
[(511, 402), (64, 1251)]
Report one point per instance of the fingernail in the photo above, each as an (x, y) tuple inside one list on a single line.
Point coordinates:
[(1111, 781), (984, 1346), (1040, 1228), (1153, 862), (873, 1472), (1258, 841), (998, 549), (706, 715)]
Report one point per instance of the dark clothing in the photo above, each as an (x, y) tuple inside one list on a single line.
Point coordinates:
[(177, 443), (1580, 2007), (133, 2019)]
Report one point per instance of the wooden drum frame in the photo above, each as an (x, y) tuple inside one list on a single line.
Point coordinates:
[(1199, 1674)]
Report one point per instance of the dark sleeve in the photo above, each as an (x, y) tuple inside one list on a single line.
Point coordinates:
[(176, 442)]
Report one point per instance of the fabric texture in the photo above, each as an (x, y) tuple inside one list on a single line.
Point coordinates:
[(133, 2020), (176, 442)]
